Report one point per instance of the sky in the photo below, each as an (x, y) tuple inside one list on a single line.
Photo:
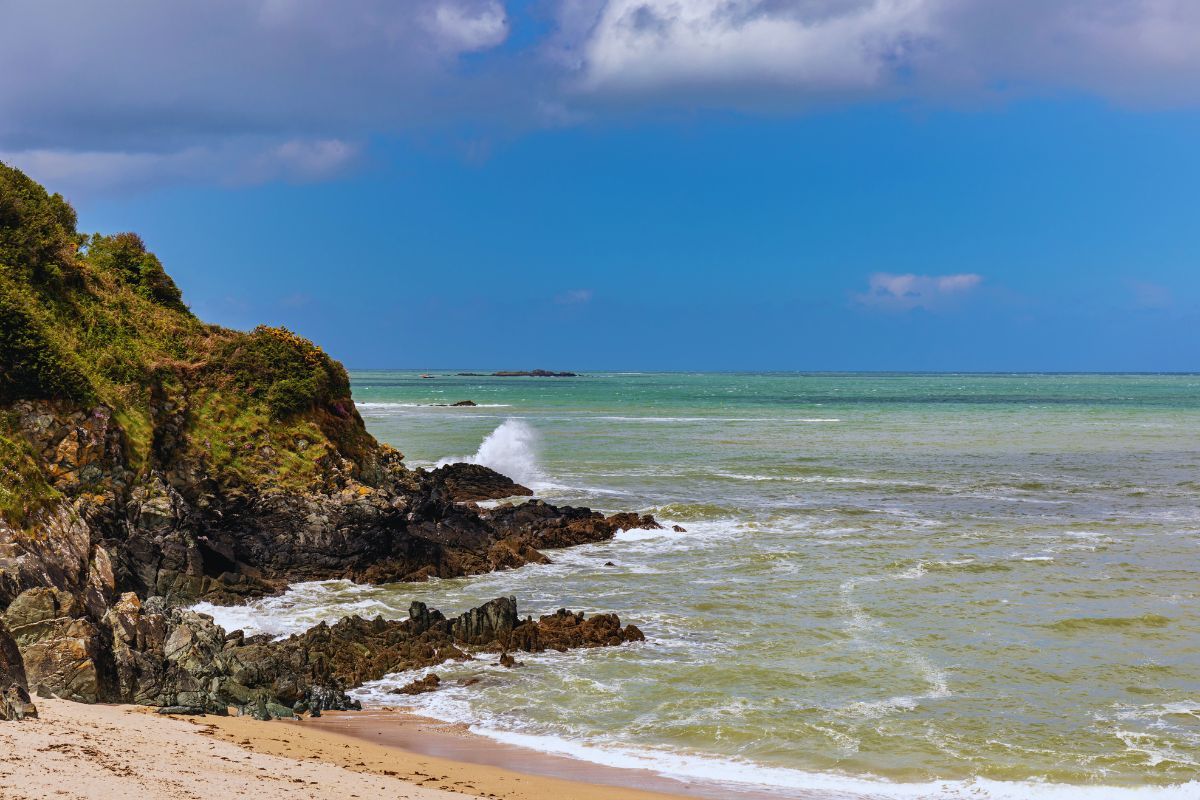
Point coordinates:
[(996, 185)]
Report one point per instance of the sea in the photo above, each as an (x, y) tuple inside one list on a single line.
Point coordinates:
[(889, 585)]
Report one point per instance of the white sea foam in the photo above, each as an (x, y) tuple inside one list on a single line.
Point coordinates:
[(743, 774), (511, 450), (300, 608)]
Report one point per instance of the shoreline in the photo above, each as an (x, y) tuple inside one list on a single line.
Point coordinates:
[(397, 729)]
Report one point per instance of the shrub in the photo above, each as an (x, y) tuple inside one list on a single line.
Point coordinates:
[(288, 371), (37, 229), (126, 256)]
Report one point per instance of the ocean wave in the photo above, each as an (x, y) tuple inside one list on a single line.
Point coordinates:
[(837, 480), (1072, 624), (301, 607), (511, 450), (734, 774)]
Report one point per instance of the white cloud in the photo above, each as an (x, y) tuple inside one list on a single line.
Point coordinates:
[(281, 87), (228, 163), (468, 28), (740, 53), (574, 297), (162, 89), (905, 292), (645, 44)]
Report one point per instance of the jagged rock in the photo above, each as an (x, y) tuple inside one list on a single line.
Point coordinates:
[(62, 649), (508, 662), (490, 623), (420, 686), (464, 404), (564, 630), (679, 529), (473, 482)]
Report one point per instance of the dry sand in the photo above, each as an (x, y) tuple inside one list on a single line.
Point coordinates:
[(108, 752)]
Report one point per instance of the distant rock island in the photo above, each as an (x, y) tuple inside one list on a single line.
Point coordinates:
[(535, 373)]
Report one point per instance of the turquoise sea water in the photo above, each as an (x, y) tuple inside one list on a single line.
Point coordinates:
[(890, 585)]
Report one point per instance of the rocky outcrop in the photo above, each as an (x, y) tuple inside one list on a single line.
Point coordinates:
[(174, 658), (178, 534), (464, 483), (88, 597)]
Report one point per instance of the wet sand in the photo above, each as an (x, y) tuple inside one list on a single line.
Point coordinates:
[(435, 754)]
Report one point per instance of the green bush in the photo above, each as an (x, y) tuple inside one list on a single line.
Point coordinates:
[(37, 229), (288, 371), (125, 255)]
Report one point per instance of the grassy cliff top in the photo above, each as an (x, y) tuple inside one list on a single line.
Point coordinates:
[(95, 320)]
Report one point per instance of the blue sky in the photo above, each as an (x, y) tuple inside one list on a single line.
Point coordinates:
[(854, 184)]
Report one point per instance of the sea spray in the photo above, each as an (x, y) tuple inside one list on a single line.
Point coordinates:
[(511, 450)]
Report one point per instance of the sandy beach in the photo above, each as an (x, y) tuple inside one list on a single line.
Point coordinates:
[(107, 752)]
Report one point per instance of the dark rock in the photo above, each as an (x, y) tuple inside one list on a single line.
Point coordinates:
[(679, 529), (196, 711), (508, 662), (566, 630), (609, 564), (491, 623), (420, 686), (464, 403), (471, 483)]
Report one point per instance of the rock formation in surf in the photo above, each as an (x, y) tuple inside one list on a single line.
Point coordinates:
[(149, 460)]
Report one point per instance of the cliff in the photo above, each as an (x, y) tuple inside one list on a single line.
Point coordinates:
[(148, 460)]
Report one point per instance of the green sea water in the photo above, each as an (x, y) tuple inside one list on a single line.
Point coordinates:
[(890, 585)]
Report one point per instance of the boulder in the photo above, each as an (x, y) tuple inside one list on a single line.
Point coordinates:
[(491, 623), (473, 482), (62, 649)]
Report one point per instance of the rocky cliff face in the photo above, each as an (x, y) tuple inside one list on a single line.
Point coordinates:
[(148, 460)]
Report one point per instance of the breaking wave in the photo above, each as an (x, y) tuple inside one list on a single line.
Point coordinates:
[(511, 450)]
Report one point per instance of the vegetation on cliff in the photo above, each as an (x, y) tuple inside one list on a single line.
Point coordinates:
[(87, 320)]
